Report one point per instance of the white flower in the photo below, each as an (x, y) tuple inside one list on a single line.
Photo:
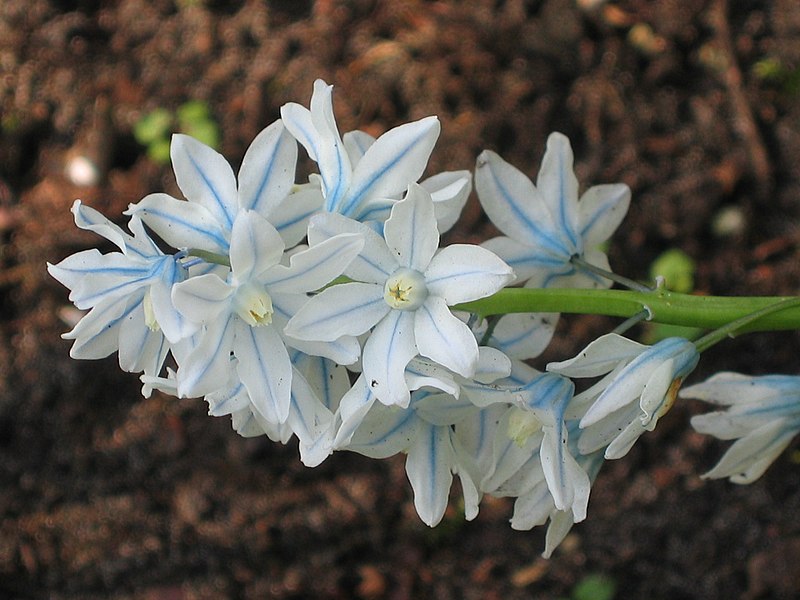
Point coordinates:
[(546, 225), (128, 293), (449, 190), (265, 181), (403, 287), (359, 177), (762, 415), (641, 385), (243, 316)]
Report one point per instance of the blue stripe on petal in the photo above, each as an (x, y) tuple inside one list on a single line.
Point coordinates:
[(540, 236)]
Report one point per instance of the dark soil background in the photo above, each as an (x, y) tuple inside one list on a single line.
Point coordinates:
[(104, 495)]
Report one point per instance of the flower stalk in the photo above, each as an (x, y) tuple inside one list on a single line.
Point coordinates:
[(664, 306)]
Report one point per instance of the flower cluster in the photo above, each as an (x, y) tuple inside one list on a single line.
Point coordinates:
[(327, 310)]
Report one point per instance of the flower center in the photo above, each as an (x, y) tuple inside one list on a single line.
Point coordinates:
[(405, 289), (253, 304)]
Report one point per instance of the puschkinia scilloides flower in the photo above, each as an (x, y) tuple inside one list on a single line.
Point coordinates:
[(214, 195), (361, 177), (237, 313), (546, 225), (761, 413), (403, 286), (128, 294), (640, 385)]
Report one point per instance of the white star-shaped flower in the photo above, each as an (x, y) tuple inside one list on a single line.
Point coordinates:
[(545, 225), (242, 315), (361, 177), (404, 285)]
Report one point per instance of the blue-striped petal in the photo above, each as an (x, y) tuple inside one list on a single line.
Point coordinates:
[(267, 173), (205, 178)]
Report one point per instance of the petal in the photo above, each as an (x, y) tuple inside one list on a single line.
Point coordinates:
[(201, 299), (558, 187), (429, 469), (560, 524), (207, 367), (374, 264), (527, 260), (565, 478), (749, 457), (449, 191), (329, 381), (357, 143), (227, 400), (532, 509), (255, 246), (601, 434), (174, 325), (267, 173), (443, 409), (97, 334), (383, 431), (575, 277), (205, 177), (410, 231), (492, 365), (317, 266), (515, 206), (444, 338), (625, 439), (311, 422), (140, 348), (93, 277), (463, 272), (291, 216), (728, 388), (345, 309), (264, 369), (396, 159), (422, 373), (91, 220), (601, 210), (388, 350), (525, 335), (316, 130), (181, 224), (353, 408), (599, 357)]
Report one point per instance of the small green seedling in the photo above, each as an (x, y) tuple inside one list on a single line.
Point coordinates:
[(193, 118)]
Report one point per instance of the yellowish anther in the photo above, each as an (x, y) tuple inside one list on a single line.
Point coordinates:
[(671, 396)]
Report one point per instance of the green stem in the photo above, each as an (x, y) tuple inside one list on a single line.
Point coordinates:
[(714, 337), (707, 312), (209, 257)]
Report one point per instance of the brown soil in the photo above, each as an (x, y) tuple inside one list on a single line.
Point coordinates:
[(104, 495)]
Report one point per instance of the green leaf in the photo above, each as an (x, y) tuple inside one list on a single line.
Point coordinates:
[(595, 587)]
